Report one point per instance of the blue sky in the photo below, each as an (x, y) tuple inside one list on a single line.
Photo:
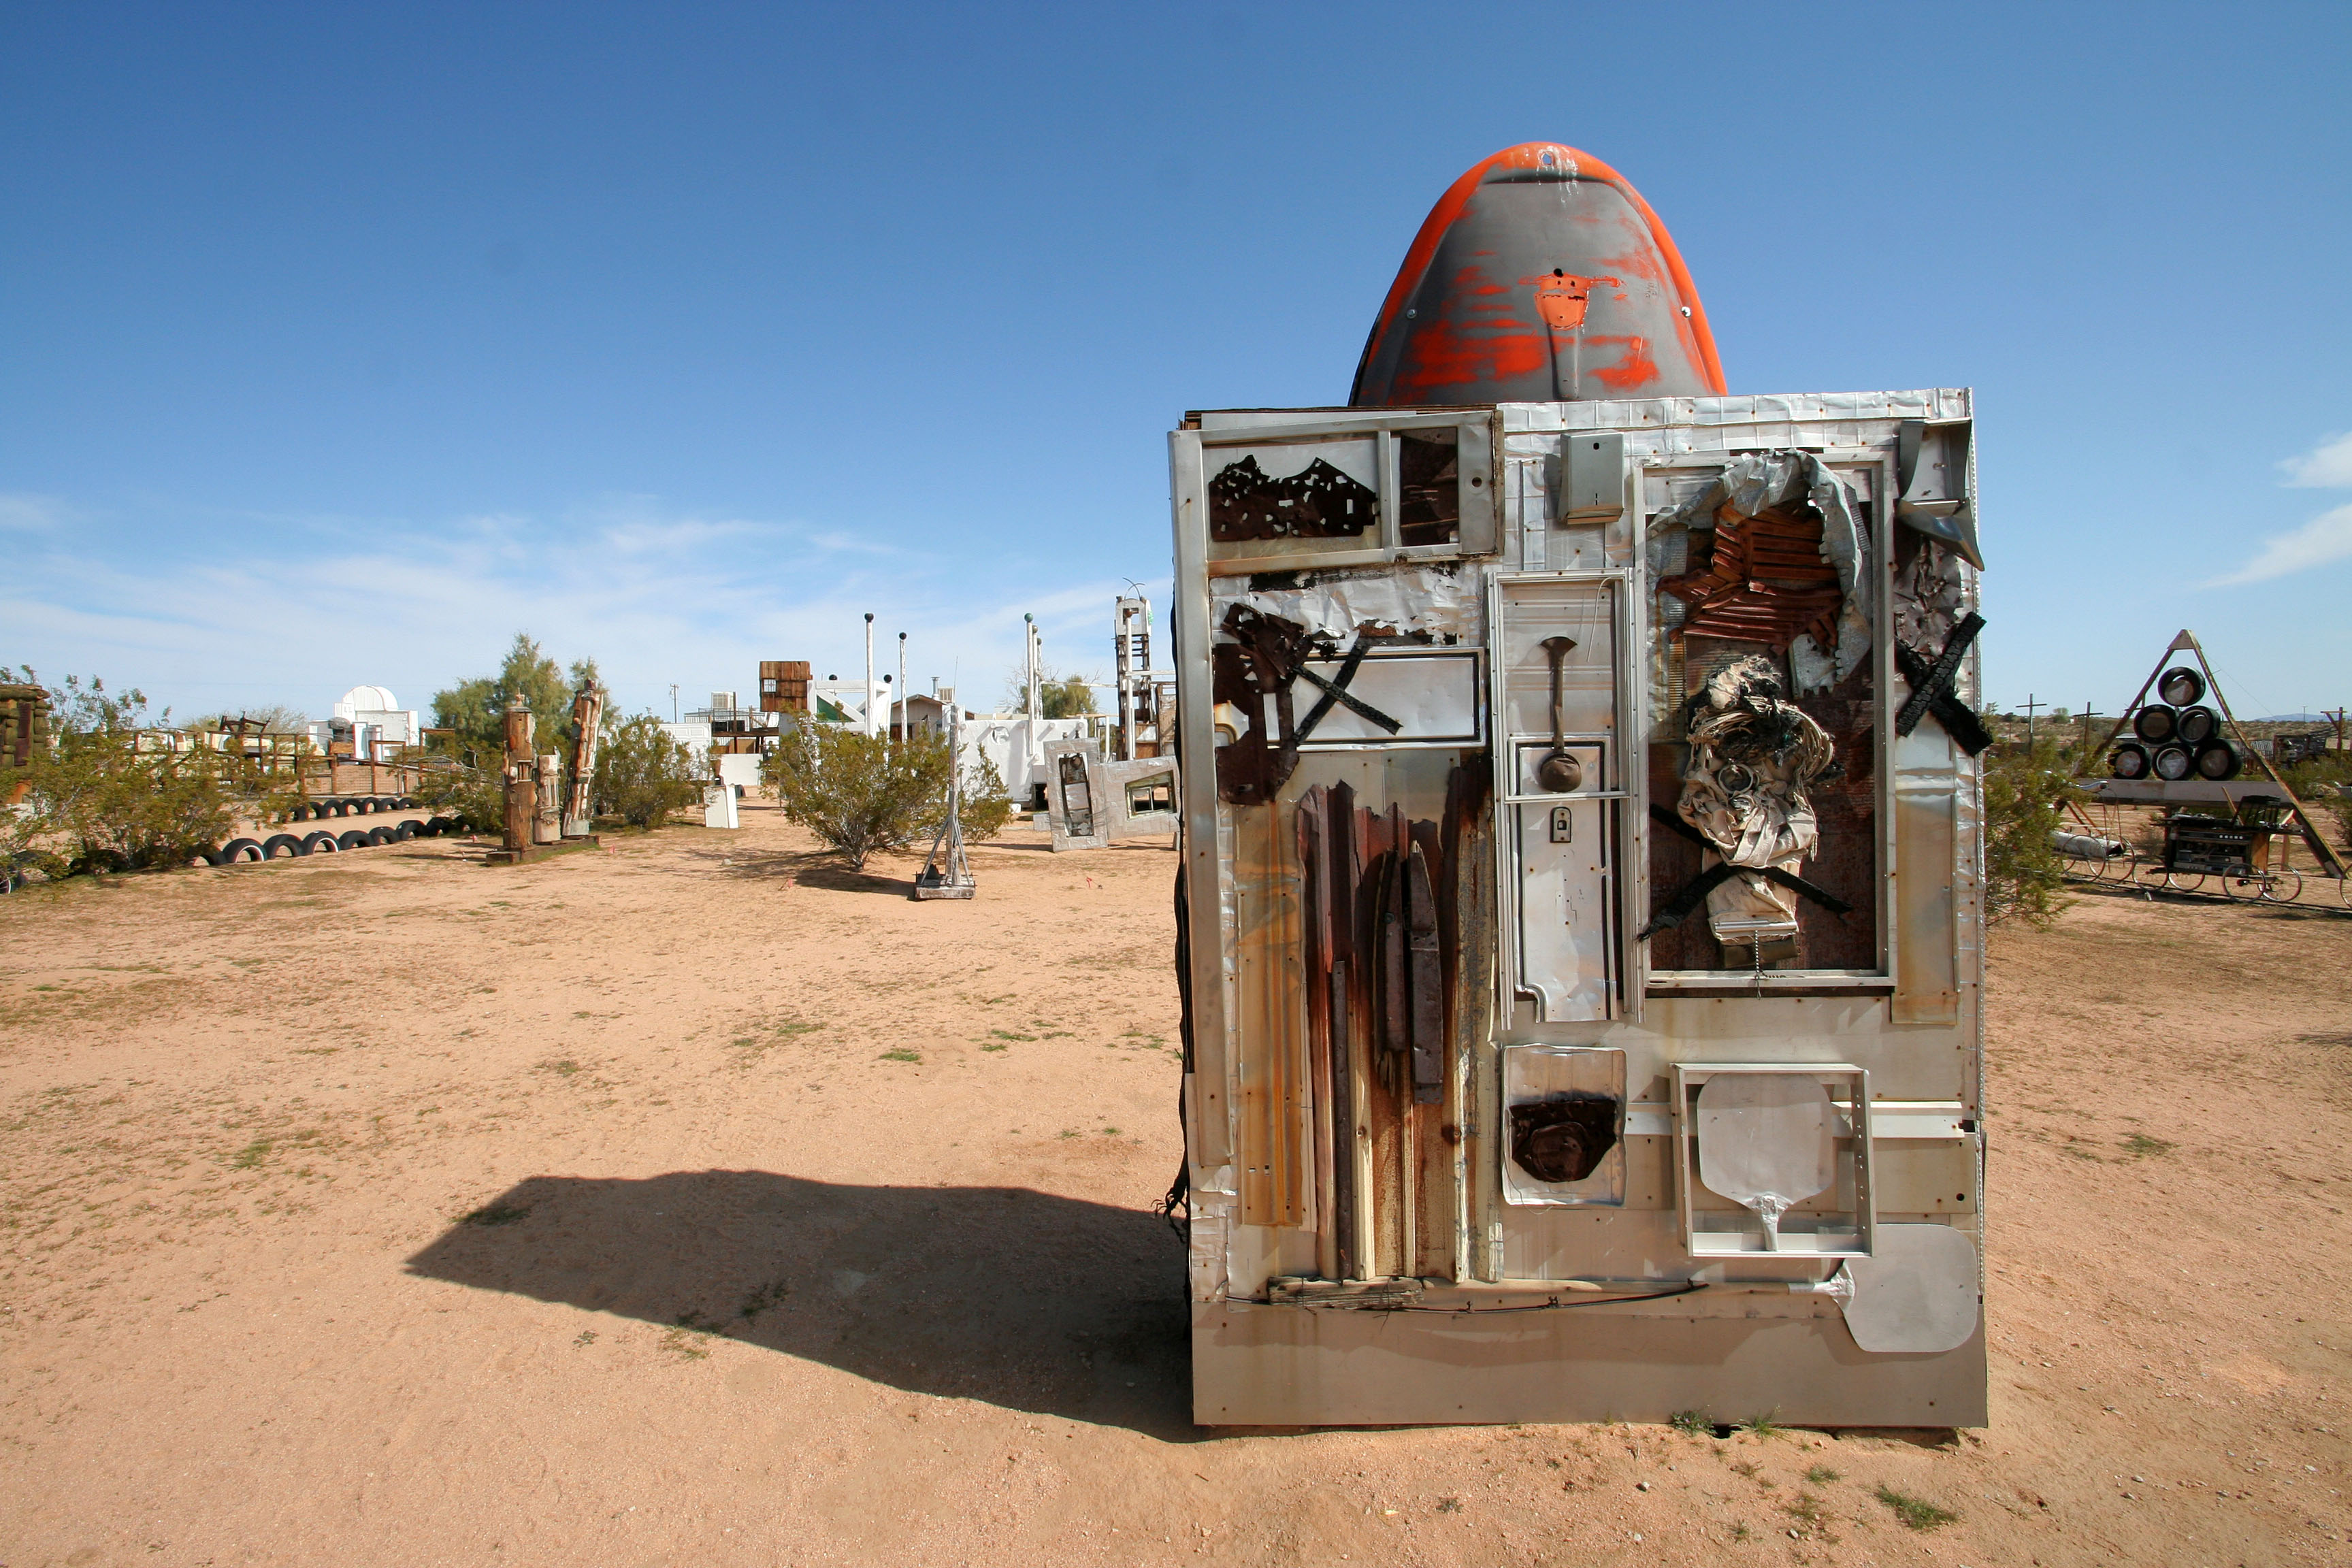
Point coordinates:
[(337, 343)]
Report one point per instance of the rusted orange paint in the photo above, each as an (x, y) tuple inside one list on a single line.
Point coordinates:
[(1443, 359), (1562, 298), (1637, 369), (1447, 356)]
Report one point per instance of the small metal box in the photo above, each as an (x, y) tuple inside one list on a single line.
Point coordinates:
[(1593, 476)]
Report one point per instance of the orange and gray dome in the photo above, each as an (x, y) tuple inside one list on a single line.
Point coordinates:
[(1541, 275)]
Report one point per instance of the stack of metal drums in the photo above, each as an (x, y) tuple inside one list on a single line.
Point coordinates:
[(2178, 738)]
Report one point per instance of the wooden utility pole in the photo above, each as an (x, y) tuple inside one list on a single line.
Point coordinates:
[(2032, 702), (2337, 715)]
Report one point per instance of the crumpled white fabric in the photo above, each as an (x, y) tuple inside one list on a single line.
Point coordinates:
[(1755, 809)]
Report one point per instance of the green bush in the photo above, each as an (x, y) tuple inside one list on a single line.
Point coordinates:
[(859, 793), (2025, 794), (111, 792), (641, 774), (476, 798)]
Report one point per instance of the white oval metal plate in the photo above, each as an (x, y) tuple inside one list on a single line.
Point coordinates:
[(1916, 1292)]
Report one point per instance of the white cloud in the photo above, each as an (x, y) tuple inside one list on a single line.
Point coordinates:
[(2327, 465), (30, 513), (2326, 538), (654, 596)]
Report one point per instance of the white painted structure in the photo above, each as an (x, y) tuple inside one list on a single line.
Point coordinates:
[(371, 718)]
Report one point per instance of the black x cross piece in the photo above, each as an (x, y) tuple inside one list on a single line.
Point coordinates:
[(1337, 691), (1931, 688), (1684, 904)]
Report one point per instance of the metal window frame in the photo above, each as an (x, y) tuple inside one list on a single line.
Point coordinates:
[(1701, 983), (1478, 532), (1688, 1076)]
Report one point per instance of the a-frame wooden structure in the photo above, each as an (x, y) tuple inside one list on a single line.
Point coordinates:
[(2186, 643)]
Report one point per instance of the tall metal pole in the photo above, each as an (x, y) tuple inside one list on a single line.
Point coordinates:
[(906, 717), (870, 672), (2032, 702)]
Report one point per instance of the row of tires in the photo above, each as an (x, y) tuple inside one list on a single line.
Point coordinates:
[(349, 805), (285, 845)]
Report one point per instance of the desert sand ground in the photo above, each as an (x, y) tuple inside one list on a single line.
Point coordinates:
[(695, 1201)]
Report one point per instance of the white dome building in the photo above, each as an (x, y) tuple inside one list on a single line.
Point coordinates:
[(361, 702), (368, 717)]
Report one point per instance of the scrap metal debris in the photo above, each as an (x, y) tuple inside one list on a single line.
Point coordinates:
[(1319, 502), (1787, 565)]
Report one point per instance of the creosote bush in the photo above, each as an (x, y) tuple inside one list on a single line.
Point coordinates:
[(2025, 794), (641, 774), (474, 797), (112, 792), (859, 795)]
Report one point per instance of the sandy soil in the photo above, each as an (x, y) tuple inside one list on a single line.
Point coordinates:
[(694, 1201)]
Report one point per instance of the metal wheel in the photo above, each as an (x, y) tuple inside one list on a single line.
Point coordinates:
[(2240, 884), (2183, 881), (2117, 868), (2344, 890), (2282, 886)]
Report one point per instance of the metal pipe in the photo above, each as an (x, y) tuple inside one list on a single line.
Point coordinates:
[(869, 715)]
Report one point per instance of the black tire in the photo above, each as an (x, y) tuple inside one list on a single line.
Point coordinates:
[(441, 824), (2195, 726), (335, 808), (2218, 760), (321, 843), (2180, 686), (2155, 722), (406, 803), (405, 831), (353, 839), (2129, 760), (280, 845), (379, 836), (2173, 763), (300, 814), (238, 851)]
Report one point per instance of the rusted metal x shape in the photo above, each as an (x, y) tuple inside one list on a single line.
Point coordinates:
[(1336, 691), (1931, 688)]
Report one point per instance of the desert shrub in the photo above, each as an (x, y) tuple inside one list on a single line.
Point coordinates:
[(859, 795), (111, 792), (2320, 785), (2025, 794), (476, 798), (986, 808), (642, 774)]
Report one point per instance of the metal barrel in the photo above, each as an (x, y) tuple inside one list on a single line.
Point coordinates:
[(2180, 686)]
